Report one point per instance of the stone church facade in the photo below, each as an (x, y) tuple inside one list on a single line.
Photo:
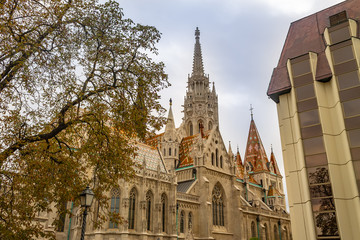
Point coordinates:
[(190, 185)]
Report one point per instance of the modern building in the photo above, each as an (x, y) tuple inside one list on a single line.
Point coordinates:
[(189, 185), (317, 91)]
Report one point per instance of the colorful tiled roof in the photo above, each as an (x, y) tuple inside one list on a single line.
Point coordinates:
[(150, 155), (274, 164), (273, 192), (186, 147), (255, 153), (155, 140)]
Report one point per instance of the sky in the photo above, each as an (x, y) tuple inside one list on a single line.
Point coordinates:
[(241, 42)]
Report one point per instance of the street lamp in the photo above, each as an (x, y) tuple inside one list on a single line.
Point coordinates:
[(86, 198)]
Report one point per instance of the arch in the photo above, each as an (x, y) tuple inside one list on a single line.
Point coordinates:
[(212, 158), (253, 229), (266, 232), (169, 151), (285, 237), (191, 130), (114, 205), (276, 234), (190, 220), (221, 161), (210, 125), (163, 211), (200, 123), (132, 208), (218, 205), (149, 202), (182, 222), (217, 157)]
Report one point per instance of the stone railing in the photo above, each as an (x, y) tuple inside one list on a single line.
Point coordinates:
[(187, 197)]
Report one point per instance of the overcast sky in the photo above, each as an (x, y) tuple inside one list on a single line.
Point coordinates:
[(241, 42)]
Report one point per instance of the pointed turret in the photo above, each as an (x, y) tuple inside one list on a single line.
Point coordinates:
[(170, 125), (198, 67), (239, 166), (273, 163), (255, 155)]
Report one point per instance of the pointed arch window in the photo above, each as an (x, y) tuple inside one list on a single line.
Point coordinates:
[(149, 203), (164, 152), (163, 211), (182, 221), (276, 235), (191, 132), (190, 221), (217, 157), (218, 206), (169, 151), (132, 203), (253, 230), (114, 205), (221, 161), (212, 159)]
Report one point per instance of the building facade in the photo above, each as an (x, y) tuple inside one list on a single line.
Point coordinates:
[(189, 185), (317, 90)]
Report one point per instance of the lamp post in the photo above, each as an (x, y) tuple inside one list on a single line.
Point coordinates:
[(86, 198)]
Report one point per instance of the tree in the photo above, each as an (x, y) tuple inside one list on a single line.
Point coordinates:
[(77, 85)]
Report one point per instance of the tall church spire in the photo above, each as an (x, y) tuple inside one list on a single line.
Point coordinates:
[(170, 125), (198, 67), (200, 103)]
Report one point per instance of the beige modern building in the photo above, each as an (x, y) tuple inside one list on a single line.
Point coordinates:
[(189, 185), (317, 90)]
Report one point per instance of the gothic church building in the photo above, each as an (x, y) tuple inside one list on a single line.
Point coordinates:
[(190, 185)]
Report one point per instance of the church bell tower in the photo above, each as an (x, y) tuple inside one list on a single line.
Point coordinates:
[(200, 103)]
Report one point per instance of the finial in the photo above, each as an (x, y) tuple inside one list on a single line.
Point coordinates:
[(251, 110), (170, 102), (237, 148), (271, 148), (197, 33)]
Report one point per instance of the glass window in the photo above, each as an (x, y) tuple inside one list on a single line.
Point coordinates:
[(190, 221), (115, 205), (322, 190), (357, 173), (316, 160), (182, 221), (218, 206), (354, 136), (326, 224), (348, 80), (313, 146), (318, 175), (323, 204), (132, 203), (301, 68), (352, 107), (148, 210), (340, 35), (309, 118), (163, 211), (253, 230), (305, 92), (343, 54)]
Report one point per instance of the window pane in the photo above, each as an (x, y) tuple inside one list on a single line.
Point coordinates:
[(318, 191), (300, 68), (326, 224), (340, 35), (357, 173), (313, 146), (309, 118), (352, 107), (316, 160), (343, 54), (323, 204), (354, 136), (348, 80), (305, 92), (318, 175)]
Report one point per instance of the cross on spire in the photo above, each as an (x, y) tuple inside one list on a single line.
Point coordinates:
[(251, 111)]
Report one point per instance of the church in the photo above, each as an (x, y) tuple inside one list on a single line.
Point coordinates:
[(190, 185)]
